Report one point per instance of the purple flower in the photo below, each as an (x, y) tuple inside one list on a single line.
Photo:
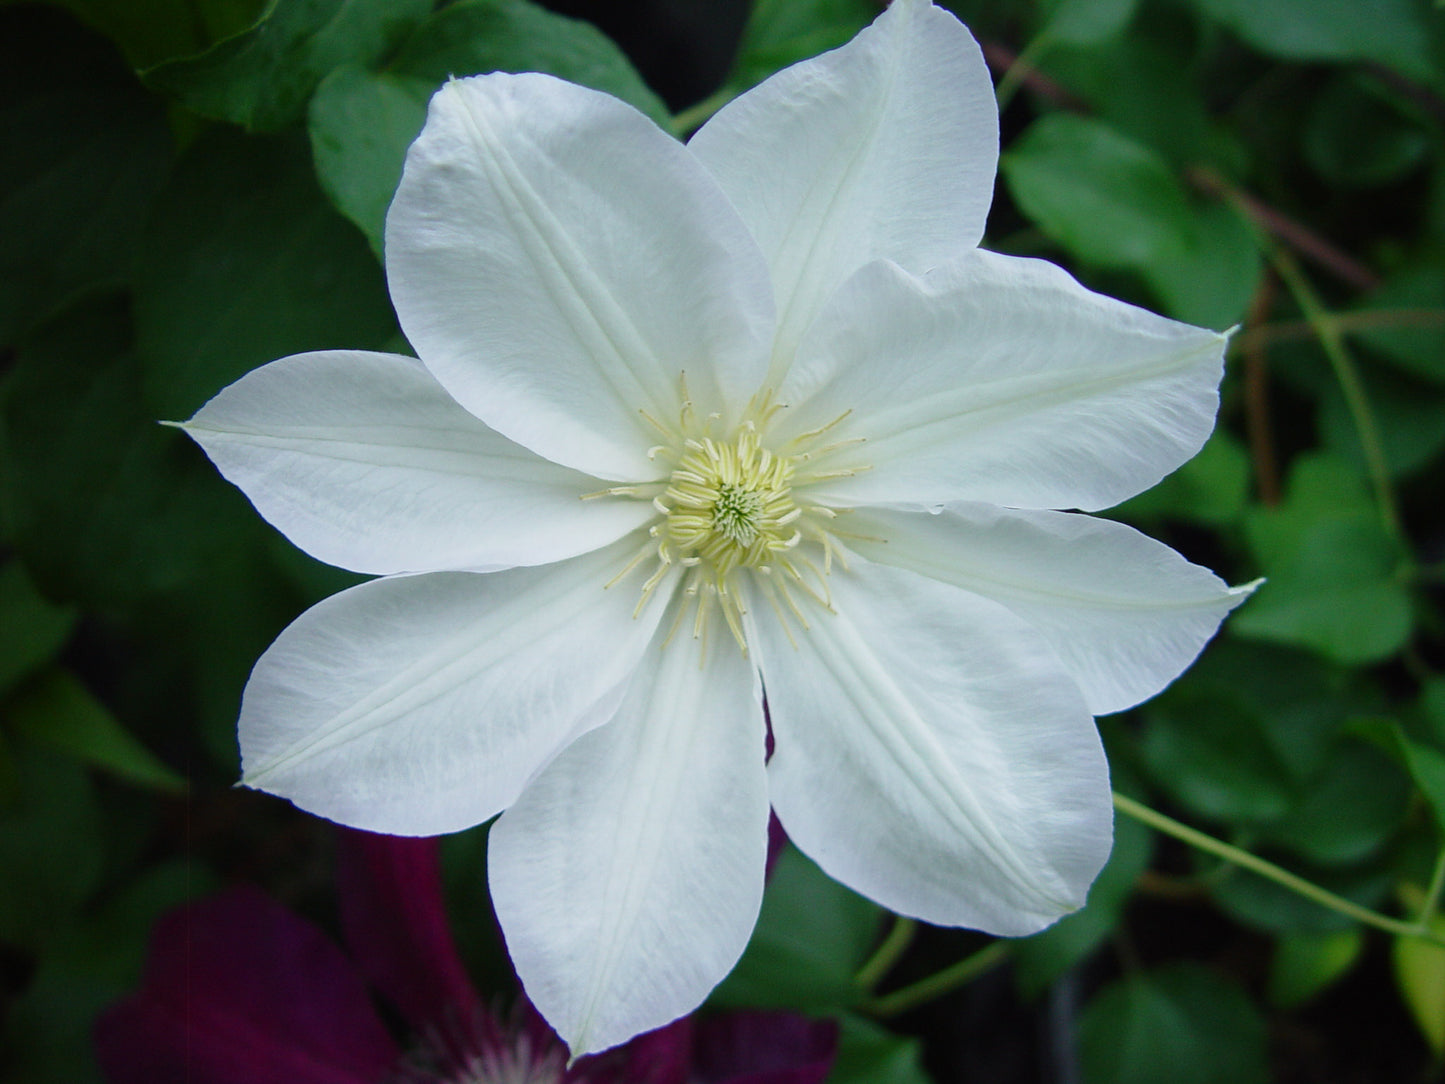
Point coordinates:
[(239, 990)]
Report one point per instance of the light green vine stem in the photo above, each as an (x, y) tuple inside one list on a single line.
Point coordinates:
[(1278, 875), (1346, 322), (900, 936), (1332, 341), (1019, 70), (1431, 903), (693, 117), (940, 982)]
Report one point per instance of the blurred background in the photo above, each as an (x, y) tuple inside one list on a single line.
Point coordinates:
[(191, 188)]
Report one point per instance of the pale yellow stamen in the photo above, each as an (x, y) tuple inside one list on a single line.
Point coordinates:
[(732, 504)]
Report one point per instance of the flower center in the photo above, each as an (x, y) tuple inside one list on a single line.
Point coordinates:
[(729, 505), (733, 504)]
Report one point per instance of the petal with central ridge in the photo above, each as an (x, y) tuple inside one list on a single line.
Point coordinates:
[(884, 148), (1126, 614), (932, 755), (558, 261), (628, 876), (1000, 379), (416, 705), (364, 462)]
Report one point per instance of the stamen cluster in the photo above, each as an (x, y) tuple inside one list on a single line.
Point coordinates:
[(729, 504), (732, 504)]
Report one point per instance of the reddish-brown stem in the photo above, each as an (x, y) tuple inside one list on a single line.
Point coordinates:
[(1303, 240), (1256, 393), (1001, 58), (1298, 236), (1348, 322)]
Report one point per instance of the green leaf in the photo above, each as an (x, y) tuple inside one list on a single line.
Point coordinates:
[(476, 36), (1264, 905), (1427, 768), (9, 777), (361, 122), (45, 1036), (782, 32), (1211, 488), (1411, 415), (1181, 1023), (1040, 959), (1108, 200), (57, 711), (1355, 139), (867, 1054), (32, 629), (50, 848), (1302, 703), (1417, 343), (811, 938), (150, 31), (1337, 592), (225, 623), (1390, 32), (1213, 279), (469, 904), (1209, 747), (262, 78), (83, 150), (1305, 964), (1113, 202), (91, 964), (244, 262), (1087, 22), (1432, 708), (108, 508), (1321, 488), (1254, 737), (1331, 568), (1144, 88), (1360, 779), (1420, 975)]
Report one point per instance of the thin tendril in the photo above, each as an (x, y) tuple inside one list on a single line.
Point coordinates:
[(694, 116), (888, 953), (1308, 889), (1333, 343), (940, 982)]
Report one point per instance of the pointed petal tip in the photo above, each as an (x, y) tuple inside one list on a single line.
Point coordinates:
[(1244, 590)]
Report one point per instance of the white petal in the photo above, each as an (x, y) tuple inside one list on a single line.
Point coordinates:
[(1001, 379), (1126, 614), (885, 148), (365, 462), (628, 876), (416, 705), (932, 755), (559, 262)]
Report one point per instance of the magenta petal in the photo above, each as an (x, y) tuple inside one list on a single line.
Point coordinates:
[(763, 1048), (392, 912), (237, 989), (661, 1056)]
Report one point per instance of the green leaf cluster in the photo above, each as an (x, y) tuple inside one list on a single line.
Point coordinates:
[(1276, 168), (187, 191)]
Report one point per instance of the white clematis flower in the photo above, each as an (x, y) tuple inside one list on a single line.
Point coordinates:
[(692, 423)]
